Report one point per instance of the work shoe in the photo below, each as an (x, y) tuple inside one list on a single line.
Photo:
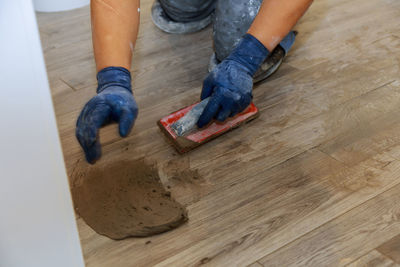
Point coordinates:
[(167, 24)]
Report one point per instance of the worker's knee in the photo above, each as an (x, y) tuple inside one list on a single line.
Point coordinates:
[(187, 10), (232, 20)]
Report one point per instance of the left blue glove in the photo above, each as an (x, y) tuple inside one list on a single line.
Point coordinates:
[(114, 102), (230, 84)]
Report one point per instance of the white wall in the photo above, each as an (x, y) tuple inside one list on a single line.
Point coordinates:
[(58, 5), (37, 224)]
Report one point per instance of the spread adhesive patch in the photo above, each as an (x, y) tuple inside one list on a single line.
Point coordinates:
[(126, 199)]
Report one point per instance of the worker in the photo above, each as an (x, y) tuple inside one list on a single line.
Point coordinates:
[(251, 38)]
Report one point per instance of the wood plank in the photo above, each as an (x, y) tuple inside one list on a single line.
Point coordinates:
[(255, 264), (345, 238), (333, 30), (189, 235), (279, 217), (282, 213), (391, 249), (373, 259)]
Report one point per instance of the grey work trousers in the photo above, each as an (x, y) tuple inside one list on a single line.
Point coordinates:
[(232, 18)]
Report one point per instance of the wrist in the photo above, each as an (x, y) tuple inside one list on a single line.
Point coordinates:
[(249, 52), (113, 76)]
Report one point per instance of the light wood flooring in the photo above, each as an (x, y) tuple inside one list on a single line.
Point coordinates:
[(314, 181)]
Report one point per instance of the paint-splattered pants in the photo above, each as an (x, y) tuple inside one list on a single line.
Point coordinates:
[(231, 21)]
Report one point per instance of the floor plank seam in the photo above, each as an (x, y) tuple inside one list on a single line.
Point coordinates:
[(330, 220), (262, 170), (364, 167), (332, 108), (343, 103), (70, 86), (384, 254), (259, 263), (360, 257)]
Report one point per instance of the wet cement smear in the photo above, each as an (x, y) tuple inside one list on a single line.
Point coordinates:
[(126, 199)]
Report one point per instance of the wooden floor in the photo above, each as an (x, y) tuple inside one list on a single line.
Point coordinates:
[(314, 181)]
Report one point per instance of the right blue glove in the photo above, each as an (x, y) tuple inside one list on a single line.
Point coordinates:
[(114, 102), (229, 85)]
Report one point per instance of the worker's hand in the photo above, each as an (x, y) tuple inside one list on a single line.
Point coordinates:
[(230, 84), (114, 102)]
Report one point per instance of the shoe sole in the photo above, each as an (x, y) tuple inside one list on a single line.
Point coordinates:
[(269, 67), (165, 24)]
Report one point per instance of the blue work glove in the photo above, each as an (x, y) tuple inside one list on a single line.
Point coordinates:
[(114, 102), (288, 41), (230, 84)]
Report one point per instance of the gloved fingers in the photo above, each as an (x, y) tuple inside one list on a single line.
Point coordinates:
[(93, 152), (92, 117), (123, 110), (210, 111), (227, 105), (223, 114), (230, 102), (208, 87), (89, 122), (234, 110), (126, 121), (241, 105)]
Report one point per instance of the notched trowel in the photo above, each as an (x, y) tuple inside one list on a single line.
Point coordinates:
[(180, 126)]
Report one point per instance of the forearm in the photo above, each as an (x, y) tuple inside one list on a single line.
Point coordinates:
[(115, 25), (275, 19)]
